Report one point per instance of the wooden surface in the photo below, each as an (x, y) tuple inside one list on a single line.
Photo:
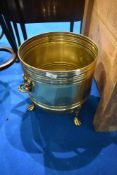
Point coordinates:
[(87, 16), (103, 30), (45, 10)]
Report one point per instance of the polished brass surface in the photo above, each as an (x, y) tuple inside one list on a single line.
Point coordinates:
[(60, 66), (31, 107), (25, 87), (58, 52), (21, 88), (77, 122), (55, 107)]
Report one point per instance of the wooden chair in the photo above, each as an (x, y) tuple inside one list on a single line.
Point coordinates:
[(35, 11), (1, 33), (9, 37)]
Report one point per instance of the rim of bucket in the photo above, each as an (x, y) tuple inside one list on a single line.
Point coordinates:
[(87, 39)]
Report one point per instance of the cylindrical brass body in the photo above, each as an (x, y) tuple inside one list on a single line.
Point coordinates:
[(58, 68)]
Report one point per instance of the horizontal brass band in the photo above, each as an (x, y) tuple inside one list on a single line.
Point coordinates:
[(58, 108)]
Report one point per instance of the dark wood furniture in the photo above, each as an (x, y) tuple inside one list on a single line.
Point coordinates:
[(35, 11)]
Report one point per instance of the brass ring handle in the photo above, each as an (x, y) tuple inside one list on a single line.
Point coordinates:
[(21, 88), (25, 87)]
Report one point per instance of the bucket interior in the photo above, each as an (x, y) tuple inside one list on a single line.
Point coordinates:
[(57, 54)]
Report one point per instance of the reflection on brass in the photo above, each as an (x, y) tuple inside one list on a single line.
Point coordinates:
[(77, 122), (25, 78), (31, 107), (60, 67)]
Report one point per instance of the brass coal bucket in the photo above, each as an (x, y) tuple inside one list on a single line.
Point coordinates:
[(58, 69)]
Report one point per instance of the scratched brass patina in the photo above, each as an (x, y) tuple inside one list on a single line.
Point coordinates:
[(58, 69)]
